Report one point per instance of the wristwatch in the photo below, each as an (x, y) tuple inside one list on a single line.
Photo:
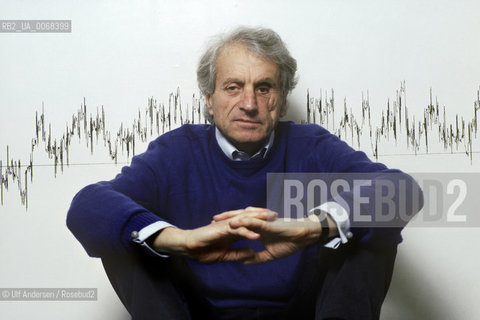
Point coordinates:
[(322, 216)]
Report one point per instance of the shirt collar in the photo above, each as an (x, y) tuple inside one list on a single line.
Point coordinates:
[(234, 154)]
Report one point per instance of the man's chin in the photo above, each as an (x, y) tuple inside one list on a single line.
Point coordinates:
[(253, 141)]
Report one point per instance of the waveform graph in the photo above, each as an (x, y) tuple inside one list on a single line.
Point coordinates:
[(95, 143), (397, 128), (89, 141)]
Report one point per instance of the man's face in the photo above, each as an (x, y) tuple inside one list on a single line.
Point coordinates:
[(247, 101)]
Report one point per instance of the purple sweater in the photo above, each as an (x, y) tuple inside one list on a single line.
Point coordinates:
[(184, 178)]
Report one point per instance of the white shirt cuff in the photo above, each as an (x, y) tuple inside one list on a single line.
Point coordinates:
[(340, 216), (148, 231)]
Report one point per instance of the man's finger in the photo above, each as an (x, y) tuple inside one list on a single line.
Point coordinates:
[(260, 213), (248, 209), (246, 233), (259, 257), (256, 222), (249, 223), (227, 215), (240, 254)]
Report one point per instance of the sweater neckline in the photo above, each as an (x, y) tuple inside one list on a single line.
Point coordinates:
[(247, 164)]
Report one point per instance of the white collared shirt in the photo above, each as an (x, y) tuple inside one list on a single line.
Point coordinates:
[(234, 154)]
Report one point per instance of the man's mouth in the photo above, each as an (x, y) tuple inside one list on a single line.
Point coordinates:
[(247, 123)]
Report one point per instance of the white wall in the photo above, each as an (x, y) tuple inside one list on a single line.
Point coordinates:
[(122, 52)]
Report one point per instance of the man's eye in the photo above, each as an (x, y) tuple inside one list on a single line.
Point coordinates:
[(232, 88), (263, 89)]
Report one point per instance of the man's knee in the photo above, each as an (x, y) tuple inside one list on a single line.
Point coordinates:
[(146, 287), (356, 283)]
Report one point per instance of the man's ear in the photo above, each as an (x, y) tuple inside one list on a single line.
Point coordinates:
[(209, 104)]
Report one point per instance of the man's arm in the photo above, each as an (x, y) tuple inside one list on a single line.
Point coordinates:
[(103, 215), (102, 219), (338, 161)]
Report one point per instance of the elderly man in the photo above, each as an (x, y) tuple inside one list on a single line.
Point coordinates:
[(184, 232)]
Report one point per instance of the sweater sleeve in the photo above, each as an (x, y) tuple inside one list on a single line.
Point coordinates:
[(380, 201), (102, 216)]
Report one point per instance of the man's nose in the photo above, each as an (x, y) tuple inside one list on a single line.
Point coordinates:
[(249, 100)]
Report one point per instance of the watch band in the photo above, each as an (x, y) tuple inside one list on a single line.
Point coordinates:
[(322, 216)]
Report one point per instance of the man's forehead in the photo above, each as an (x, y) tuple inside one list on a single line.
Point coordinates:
[(240, 49), (237, 54)]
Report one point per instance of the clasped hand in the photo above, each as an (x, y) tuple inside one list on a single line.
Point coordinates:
[(212, 243)]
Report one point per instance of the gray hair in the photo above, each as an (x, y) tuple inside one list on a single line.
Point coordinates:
[(262, 42)]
